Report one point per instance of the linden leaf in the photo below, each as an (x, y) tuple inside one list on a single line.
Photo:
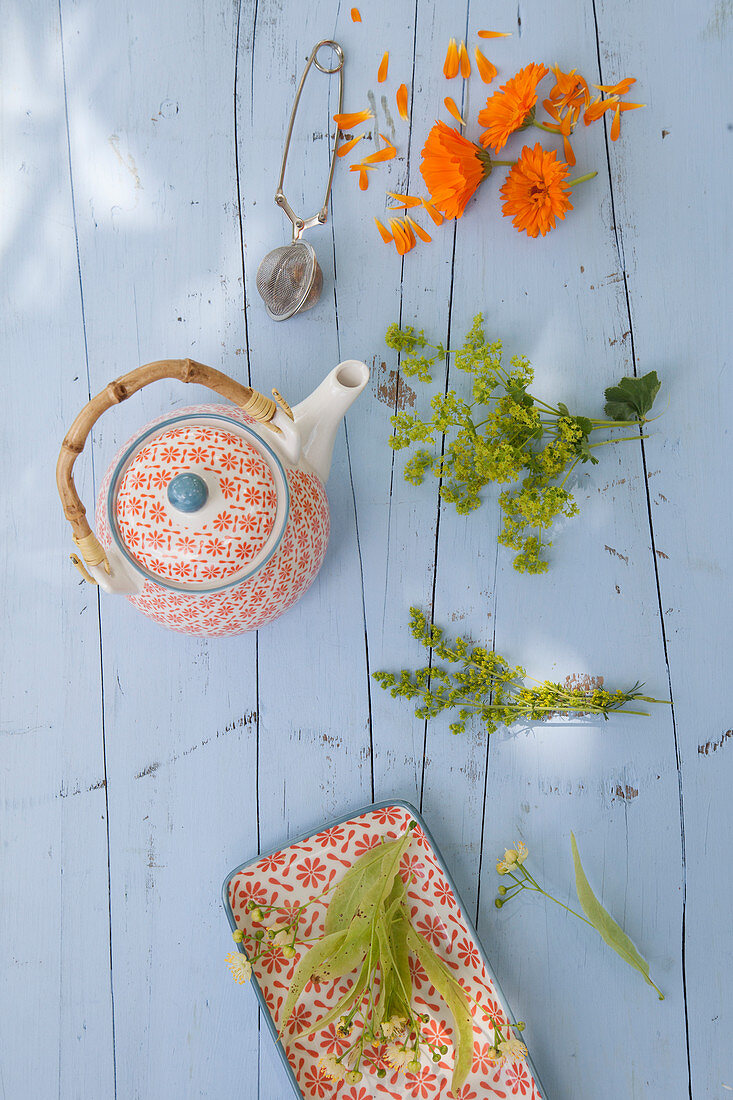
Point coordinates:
[(604, 923), (632, 398)]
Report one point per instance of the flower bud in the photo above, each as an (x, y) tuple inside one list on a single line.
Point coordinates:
[(498, 903), (413, 1066), (237, 935), (502, 891), (257, 914), (353, 1077), (288, 952)]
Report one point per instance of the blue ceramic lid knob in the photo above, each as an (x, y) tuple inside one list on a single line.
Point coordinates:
[(188, 492)]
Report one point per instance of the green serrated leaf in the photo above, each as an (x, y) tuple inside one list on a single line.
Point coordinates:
[(632, 398), (604, 923), (454, 997)]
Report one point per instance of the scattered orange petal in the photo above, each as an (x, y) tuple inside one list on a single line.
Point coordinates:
[(551, 109), (452, 109), (348, 146), (486, 70), (384, 233), (419, 230), (494, 34), (383, 66), (381, 155), (402, 101), (363, 179), (404, 238), (404, 200), (348, 121), (434, 213), (450, 67), (387, 141), (568, 149), (617, 89), (464, 61), (597, 108), (358, 167), (630, 106), (355, 15), (616, 124)]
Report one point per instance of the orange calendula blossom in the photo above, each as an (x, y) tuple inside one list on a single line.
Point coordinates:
[(486, 70), (452, 168), (450, 66), (536, 191), (511, 108), (401, 98), (383, 67)]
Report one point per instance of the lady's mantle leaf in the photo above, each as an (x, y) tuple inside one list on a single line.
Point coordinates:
[(632, 398), (604, 923)]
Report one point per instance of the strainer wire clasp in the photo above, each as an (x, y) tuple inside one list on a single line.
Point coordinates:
[(301, 224)]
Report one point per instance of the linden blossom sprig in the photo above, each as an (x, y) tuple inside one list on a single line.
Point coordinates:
[(512, 866), (486, 687), (368, 932), (504, 434)]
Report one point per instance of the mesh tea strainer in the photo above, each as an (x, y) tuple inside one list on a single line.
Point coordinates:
[(289, 278)]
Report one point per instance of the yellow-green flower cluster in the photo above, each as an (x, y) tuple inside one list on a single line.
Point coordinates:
[(485, 687), (501, 434)]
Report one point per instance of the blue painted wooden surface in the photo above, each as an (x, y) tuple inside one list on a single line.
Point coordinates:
[(139, 151)]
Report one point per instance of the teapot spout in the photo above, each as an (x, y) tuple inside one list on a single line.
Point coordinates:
[(317, 418)]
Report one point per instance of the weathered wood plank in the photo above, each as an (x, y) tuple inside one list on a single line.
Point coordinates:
[(160, 260), (55, 999), (670, 186)]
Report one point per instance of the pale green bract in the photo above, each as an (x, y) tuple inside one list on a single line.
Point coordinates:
[(604, 923), (368, 931)]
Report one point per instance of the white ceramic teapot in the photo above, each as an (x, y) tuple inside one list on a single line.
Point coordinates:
[(213, 519)]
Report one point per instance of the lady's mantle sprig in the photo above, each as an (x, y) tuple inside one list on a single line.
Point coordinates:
[(512, 868), (505, 435), (486, 687)]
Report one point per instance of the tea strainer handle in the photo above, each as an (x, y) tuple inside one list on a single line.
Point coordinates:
[(185, 370), (301, 224)]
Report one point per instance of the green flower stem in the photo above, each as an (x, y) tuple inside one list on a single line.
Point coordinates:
[(582, 179), (548, 129)]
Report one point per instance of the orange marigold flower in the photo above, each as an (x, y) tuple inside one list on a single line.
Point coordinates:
[(535, 192), (355, 15), (450, 66), (494, 34), (348, 121), (464, 61), (384, 233), (383, 66), (512, 108), (401, 98), (452, 168), (452, 109), (486, 70), (348, 146)]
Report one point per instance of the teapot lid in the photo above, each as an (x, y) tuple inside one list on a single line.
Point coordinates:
[(198, 503)]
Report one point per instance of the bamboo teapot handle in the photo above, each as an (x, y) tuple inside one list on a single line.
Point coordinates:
[(185, 370)]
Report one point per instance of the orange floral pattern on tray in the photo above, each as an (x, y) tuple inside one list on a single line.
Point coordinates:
[(299, 872)]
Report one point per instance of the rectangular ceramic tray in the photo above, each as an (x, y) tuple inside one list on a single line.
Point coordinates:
[(297, 873)]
